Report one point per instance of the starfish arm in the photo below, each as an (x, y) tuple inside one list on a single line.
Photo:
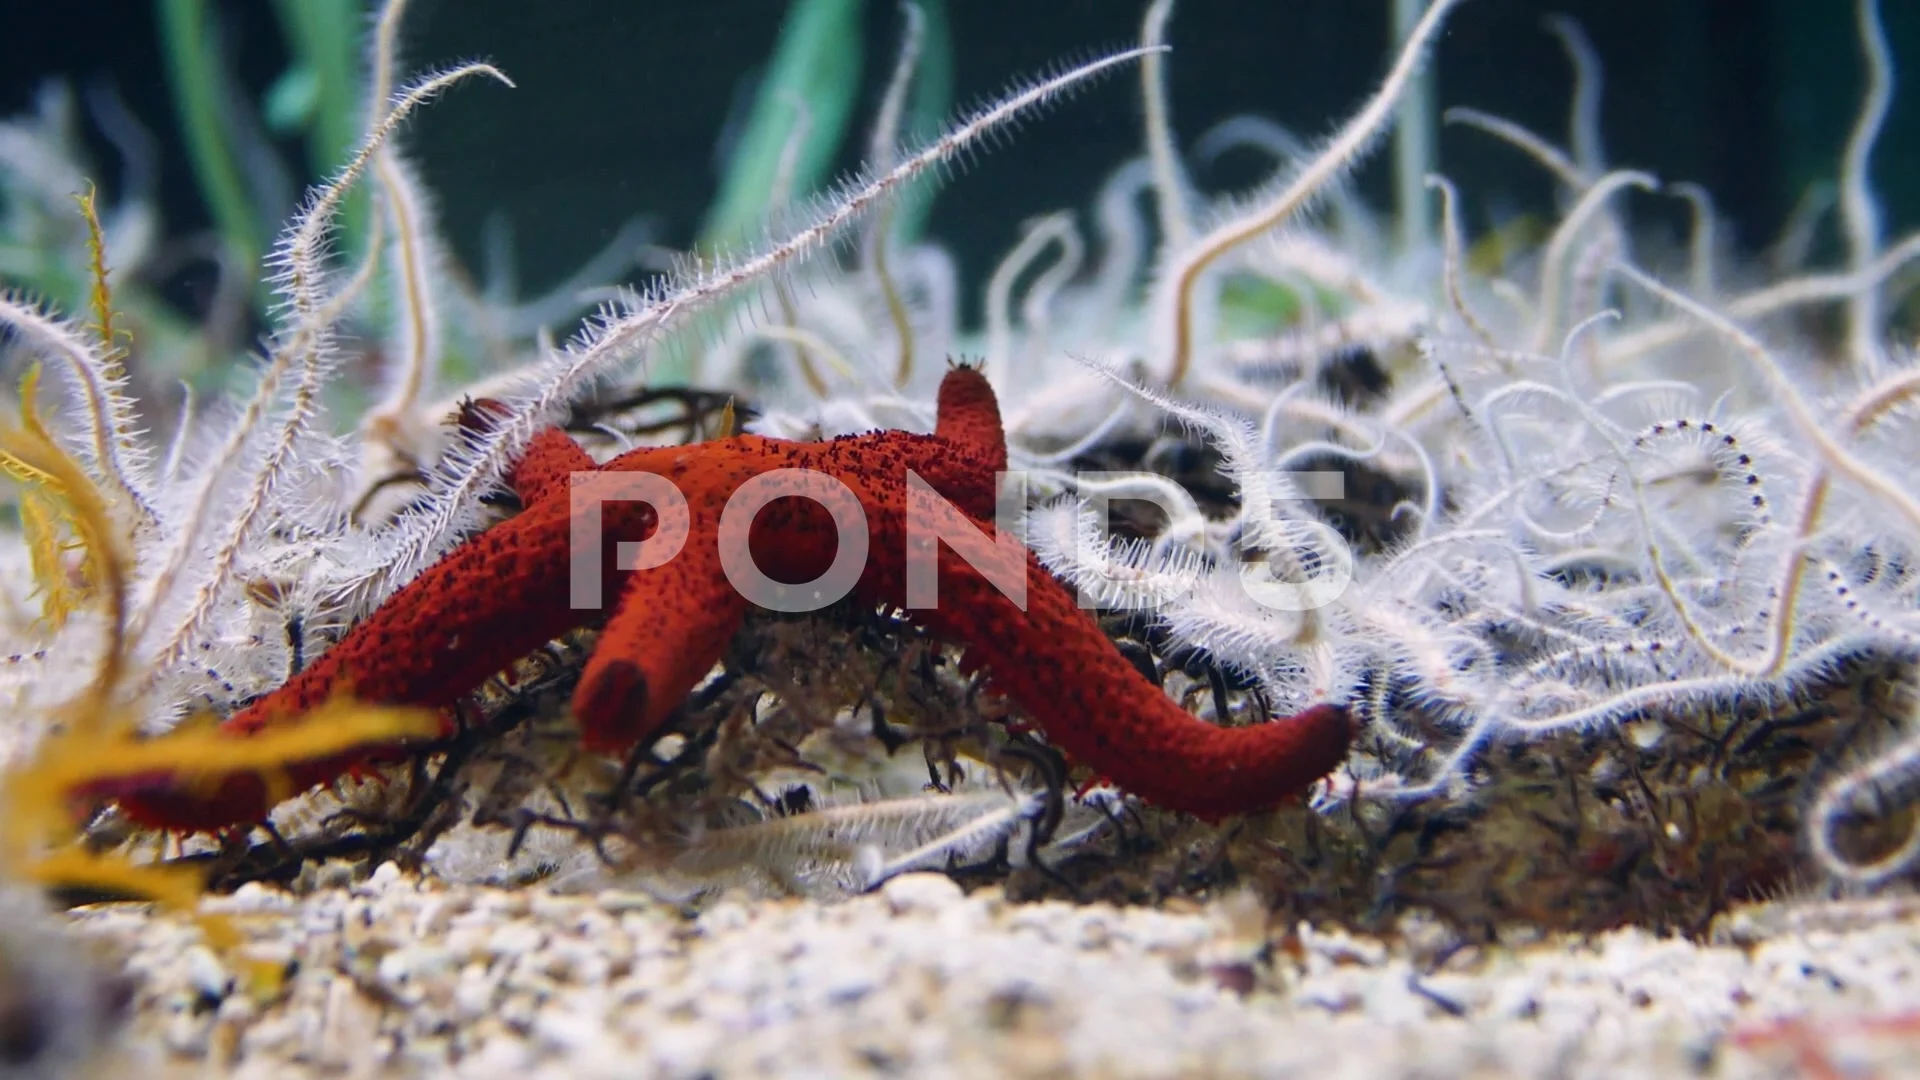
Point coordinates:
[(671, 625), (962, 460), (969, 417), (493, 600), (1055, 662), (542, 472)]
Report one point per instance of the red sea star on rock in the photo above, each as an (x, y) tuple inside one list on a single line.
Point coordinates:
[(506, 592)]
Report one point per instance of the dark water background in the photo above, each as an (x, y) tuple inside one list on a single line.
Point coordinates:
[(620, 102)]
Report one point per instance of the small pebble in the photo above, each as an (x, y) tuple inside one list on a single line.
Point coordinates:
[(921, 893)]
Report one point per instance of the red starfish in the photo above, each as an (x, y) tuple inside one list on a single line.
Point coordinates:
[(506, 592)]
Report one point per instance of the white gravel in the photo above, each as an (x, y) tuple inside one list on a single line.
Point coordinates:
[(399, 977)]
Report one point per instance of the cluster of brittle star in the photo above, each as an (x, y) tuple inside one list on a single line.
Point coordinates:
[(508, 591)]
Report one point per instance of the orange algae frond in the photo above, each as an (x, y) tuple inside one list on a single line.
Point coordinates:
[(38, 826), (94, 741), (31, 456), (48, 520), (199, 753), (174, 888)]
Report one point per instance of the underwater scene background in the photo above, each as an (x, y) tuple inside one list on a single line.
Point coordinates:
[(1475, 436), (629, 109)]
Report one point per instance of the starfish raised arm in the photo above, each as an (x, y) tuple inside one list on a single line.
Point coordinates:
[(968, 418)]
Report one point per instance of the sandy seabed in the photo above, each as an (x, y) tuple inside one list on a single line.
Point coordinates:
[(398, 976)]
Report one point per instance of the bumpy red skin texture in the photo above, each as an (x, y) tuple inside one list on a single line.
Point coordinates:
[(505, 593)]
